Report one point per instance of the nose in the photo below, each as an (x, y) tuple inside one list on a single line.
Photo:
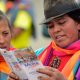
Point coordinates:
[(2, 40), (57, 28)]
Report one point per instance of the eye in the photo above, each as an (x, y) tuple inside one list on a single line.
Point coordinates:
[(61, 22), (50, 25), (5, 33)]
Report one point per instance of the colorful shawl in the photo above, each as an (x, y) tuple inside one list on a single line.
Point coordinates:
[(72, 67)]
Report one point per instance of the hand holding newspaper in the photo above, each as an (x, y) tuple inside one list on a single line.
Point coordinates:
[(23, 62)]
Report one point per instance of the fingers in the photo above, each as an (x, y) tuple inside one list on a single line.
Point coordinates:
[(48, 71), (50, 68), (43, 78), (45, 71), (9, 78), (12, 76), (52, 74)]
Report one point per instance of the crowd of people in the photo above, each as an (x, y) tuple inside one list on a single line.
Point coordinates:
[(61, 57)]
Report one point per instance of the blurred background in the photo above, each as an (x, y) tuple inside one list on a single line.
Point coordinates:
[(37, 35)]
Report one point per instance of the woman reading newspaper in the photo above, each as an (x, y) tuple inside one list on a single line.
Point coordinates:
[(62, 56), (5, 37)]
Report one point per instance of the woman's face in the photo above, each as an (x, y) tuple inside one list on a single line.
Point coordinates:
[(5, 34), (63, 30)]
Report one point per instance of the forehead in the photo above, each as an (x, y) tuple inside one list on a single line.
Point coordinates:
[(4, 24), (3, 20)]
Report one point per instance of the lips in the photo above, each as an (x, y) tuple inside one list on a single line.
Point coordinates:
[(3, 47), (59, 37)]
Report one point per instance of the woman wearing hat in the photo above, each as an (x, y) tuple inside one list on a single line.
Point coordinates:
[(62, 56)]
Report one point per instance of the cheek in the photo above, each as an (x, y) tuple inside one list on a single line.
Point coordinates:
[(71, 33), (9, 38), (71, 29), (50, 32)]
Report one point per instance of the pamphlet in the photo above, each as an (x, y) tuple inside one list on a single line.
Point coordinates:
[(23, 62)]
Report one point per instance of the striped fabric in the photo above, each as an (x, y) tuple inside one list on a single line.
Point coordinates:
[(72, 68)]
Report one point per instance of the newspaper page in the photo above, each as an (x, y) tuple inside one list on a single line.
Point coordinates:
[(23, 62)]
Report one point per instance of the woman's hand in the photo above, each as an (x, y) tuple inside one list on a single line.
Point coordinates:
[(12, 76), (53, 74)]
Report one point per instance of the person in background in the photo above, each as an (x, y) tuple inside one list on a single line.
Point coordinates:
[(22, 26), (5, 39), (3, 5), (61, 57)]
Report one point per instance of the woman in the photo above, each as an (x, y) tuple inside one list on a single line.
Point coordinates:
[(5, 37), (63, 53)]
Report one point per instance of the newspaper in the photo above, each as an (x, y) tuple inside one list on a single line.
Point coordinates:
[(23, 62)]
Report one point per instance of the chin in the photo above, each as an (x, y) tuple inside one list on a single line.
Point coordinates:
[(63, 44)]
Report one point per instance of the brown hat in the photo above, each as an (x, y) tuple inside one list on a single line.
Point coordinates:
[(56, 8)]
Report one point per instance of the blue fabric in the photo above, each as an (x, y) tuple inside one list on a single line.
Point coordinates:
[(38, 51), (3, 76)]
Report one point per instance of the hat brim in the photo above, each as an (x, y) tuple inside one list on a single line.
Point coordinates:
[(45, 21)]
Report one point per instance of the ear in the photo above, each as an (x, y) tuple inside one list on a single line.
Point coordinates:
[(78, 26)]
